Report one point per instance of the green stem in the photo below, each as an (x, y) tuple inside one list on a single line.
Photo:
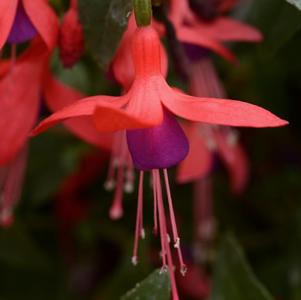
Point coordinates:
[(143, 12)]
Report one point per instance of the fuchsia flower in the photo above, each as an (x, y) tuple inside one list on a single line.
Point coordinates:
[(21, 21), (154, 138), (211, 34), (207, 140), (20, 102)]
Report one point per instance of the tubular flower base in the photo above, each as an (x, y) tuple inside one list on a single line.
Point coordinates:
[(145, 112)]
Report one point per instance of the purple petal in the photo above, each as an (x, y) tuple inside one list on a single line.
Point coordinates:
[(22, 29), (195, 53), (158, 147)]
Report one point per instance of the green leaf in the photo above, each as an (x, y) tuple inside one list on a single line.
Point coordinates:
[(233, 278), (297, 3), (104, 22), (154, 287)]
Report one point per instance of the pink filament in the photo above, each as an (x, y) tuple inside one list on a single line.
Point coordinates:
[(116, 210), (159, 223), (123, 180), (164, 236), (155, 229), (139, 219), (173, 223)]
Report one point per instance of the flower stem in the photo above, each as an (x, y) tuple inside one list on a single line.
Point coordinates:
[(143, 12)]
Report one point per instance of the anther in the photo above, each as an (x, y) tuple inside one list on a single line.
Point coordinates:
[(135, 260)]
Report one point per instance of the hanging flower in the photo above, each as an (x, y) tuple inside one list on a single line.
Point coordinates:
[(20, 102), (206, 141), (21, 21), (154, 138), (211, 34)]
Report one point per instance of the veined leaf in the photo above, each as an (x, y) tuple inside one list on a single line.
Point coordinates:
[(154, 287)]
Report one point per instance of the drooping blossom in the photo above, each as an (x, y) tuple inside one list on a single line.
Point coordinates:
[(207, 140), (155, 139), (71, 37), (210, 35), (20, 88), (20, 102)]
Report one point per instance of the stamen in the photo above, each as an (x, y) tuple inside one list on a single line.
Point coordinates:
[(173, 220), (119, 160), (110, 181), (116, 210), (130, 176), (156, 179), (155, 229), (164, 237), (135, 260), (109, 185), (139, 225), (142, 234)]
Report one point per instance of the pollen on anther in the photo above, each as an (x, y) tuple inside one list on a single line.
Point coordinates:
[(177, 243), (109, 185), (135, 260), (142, 233)]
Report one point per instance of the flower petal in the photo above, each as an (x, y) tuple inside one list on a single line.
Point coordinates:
[(219, 111), (19, 104), (228, 29), (198, 162), (191, 36), (59, 95), (44, 20), (8, 10), (81, 108), (144, 108)]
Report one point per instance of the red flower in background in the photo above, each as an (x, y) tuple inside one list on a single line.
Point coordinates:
[(20, 88), (211, 34), (22, 20), (207, 140), (20, 102)]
